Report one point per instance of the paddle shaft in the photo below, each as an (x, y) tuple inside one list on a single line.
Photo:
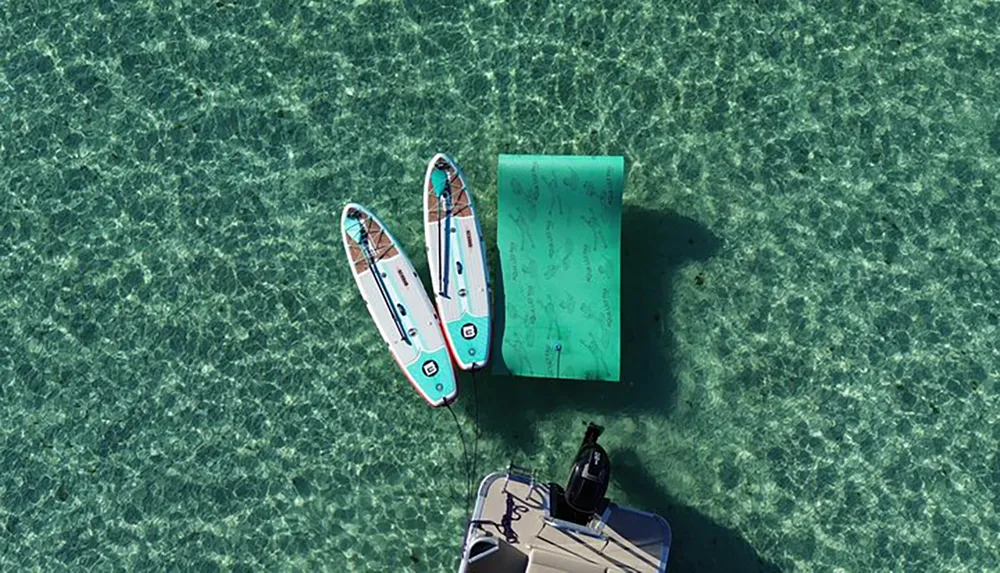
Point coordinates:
[(444, 275), (370, 258)]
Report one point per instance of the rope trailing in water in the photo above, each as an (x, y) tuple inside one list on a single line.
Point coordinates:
[(475, 442), (465, 458), (471, 476)]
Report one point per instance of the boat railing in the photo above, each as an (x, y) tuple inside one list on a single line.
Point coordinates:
[(571, 528), (522, 472)]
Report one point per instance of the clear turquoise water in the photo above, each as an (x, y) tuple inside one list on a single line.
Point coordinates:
[(188, 379)]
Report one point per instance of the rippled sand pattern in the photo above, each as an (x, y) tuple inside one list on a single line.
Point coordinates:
[(189, 379)]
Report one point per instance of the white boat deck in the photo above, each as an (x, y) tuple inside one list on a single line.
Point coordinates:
[(512, 532)]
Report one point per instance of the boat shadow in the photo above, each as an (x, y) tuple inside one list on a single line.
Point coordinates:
[(655, 245), (699, 543)]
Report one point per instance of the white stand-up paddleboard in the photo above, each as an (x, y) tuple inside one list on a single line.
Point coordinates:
[(456, 255), (398, 304)]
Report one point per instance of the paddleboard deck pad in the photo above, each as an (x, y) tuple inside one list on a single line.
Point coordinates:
[(398, 304), (456, 255)]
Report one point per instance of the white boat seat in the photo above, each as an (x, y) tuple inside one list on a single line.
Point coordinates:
[(541, 561), (489, 554)]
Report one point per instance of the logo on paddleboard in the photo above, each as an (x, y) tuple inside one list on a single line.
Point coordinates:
[(469, 331), (430, 368)]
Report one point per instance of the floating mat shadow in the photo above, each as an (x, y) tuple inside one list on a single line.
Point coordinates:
[(558, 295)]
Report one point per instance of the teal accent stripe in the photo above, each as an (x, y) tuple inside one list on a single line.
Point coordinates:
[(394, 298), (445, 376), (476, 349), (459, 279)]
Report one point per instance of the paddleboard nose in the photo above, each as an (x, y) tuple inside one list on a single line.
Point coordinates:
[(350, 211), (441, 161), (350, 220)]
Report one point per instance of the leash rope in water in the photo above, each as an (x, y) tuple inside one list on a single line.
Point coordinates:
[(471, 475), (475, 429), (465, 457)]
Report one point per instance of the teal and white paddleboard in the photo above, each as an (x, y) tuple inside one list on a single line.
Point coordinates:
[(399, 305), (456, 255)]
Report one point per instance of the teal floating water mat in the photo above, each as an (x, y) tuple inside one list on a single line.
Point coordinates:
[(558, 293)]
